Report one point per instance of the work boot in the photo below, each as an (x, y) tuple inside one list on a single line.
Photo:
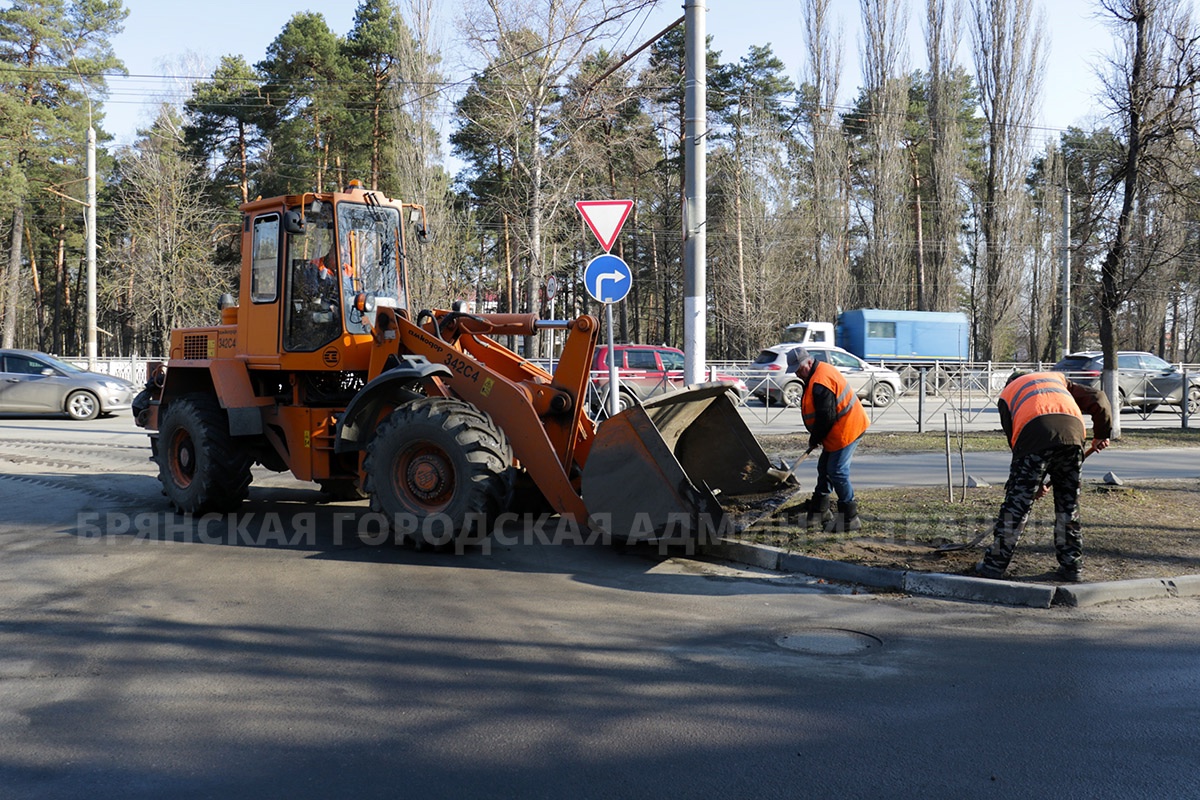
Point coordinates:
[(812, 513), (846, 518), (819, 514), (986, 570), (1071, 574)]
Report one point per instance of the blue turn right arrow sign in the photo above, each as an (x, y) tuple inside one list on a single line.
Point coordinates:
[(607, 278)]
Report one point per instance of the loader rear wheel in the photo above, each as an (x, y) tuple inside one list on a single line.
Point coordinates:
[(199, 464), (440, 470)]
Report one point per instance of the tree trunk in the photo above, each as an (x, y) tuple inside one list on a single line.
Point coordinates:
[(13, 281)]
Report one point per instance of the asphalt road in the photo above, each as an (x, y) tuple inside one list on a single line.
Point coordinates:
[(277, 654), (972, 414)]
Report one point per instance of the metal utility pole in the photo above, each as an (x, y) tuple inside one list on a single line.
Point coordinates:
[(695, 214), (1066, 271), (91, 247)]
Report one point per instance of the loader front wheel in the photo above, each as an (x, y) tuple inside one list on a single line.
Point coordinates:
[(440, 471), (199, 465)]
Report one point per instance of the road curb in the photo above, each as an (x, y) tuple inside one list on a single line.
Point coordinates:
[(956, 587), (985, 590), (1090, 594)]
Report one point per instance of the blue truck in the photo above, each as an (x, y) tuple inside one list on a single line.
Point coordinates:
[(878, 334)]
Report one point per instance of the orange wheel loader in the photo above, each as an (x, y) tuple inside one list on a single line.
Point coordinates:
[(322, 368)]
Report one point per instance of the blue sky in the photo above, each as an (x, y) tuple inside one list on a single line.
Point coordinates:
[(162, 39)]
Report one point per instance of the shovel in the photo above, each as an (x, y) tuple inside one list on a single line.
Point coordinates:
[(783, 476), (778, 500), (949, 548), (1046, 484)]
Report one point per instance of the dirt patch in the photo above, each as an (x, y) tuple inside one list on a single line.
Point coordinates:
[(1143, 529)]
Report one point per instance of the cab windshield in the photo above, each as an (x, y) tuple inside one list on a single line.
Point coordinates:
[(371, 252)]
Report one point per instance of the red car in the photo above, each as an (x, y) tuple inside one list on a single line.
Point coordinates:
[(644, 371)]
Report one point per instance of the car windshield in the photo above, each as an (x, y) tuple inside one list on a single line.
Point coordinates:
[(70, 369), (844, 360), (1154, 362)]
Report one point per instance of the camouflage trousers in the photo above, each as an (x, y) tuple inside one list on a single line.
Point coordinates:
[(1026, 475)]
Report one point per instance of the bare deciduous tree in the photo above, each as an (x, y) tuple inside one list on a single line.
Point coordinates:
[(1008, 42), (539, 42), (163, 274), (828, 210), (883, 271), (1152, 90), (947, 164)]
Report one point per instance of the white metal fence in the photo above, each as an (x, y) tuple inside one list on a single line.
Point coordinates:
[(132, 369)]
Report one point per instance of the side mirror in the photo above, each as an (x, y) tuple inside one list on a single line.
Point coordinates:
[(47, 372), (417, 218), (293, 223)]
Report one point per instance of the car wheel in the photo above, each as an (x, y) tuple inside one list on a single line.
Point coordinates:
[(1193, 401), (793, 392), (882, 395), (82, 405)]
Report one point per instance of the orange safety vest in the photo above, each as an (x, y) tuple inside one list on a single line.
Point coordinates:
[(1035, 394), (850, 420)]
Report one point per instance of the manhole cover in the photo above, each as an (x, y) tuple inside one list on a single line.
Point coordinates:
[(829, 642)]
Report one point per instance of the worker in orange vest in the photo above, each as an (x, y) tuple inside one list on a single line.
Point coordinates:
[(836, 422), (1042, 416)]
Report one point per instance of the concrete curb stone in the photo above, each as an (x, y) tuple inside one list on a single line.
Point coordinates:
[(986, 590), (1090, 594), (959, 587)]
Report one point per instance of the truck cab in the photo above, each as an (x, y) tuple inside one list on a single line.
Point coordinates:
[(809, 333)]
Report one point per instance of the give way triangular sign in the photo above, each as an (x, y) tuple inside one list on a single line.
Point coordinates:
[(605, 218)]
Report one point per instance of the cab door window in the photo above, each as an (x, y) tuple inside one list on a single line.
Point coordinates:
[(313, 316), (264, 260)]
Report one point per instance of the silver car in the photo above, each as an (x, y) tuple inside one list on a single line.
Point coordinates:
[(1144, 380), (32, 382), (770, 380)]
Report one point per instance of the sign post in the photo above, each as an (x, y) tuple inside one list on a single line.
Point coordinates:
[(551, 291), (607, 278)]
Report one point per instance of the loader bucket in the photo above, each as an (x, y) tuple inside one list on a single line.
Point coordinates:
[(655, 471)]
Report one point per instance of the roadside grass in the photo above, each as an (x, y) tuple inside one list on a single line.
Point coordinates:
[(1146, 529), (976, 441)]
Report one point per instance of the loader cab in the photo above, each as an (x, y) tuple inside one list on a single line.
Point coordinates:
[(314, 266)]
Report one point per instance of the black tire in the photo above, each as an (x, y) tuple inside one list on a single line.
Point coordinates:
[(792, 393), (882, 395), (82, 405), (440, 470), (1193, 401), (200, 466)]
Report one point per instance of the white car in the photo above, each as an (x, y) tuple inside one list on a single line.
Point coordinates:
[(770, 380)]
